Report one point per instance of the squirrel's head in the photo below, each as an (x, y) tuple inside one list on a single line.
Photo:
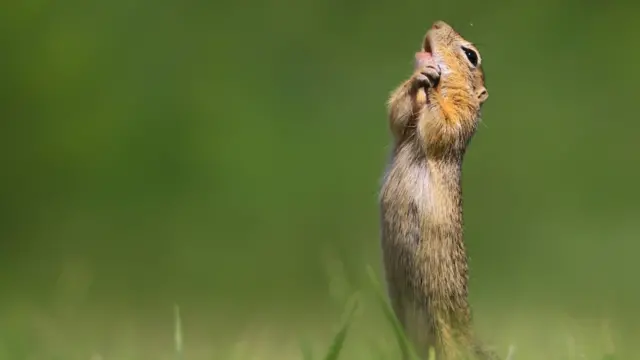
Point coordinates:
[(453, 89)]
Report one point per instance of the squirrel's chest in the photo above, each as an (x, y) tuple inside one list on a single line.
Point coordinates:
[(414, 192), (408, 187)]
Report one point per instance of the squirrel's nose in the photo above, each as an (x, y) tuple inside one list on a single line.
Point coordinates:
[(438, 25)]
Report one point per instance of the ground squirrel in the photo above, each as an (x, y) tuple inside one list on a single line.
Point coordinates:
[(432, 117)]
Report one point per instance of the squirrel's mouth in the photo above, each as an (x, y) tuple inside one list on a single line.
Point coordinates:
[(426, 46), (430, 71)]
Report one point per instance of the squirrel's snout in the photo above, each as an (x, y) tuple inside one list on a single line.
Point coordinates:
[(437, 25)]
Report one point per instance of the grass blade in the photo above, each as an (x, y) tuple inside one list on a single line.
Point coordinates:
[(338, 340), (177, 332), (511, 352), (432, 353), (406, 349), (305, 348)]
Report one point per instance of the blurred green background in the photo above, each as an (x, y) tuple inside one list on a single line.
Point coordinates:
[(223, 155)]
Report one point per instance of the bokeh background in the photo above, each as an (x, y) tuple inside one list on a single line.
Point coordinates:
[(226, 156)]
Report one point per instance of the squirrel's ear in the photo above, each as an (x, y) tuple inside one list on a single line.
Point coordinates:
[(483, 94)]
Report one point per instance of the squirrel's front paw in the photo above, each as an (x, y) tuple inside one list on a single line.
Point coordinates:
[(427, 72)]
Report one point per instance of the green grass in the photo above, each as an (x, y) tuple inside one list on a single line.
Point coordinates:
[(405, 349), (359, 336), (347, 342)]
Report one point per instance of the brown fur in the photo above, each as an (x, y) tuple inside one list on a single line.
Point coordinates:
[(424, 254)]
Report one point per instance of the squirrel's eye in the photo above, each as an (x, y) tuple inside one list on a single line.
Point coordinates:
[(471, 55)]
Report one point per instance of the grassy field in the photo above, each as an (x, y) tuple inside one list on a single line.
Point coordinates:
[(365, 329), (532, 336)]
